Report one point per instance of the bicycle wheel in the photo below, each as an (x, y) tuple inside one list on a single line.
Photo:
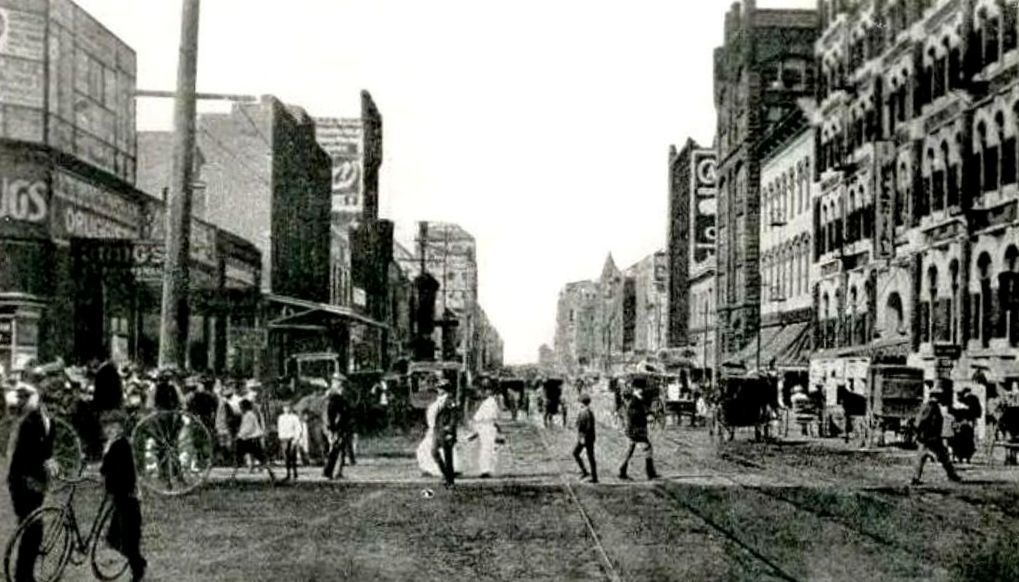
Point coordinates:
[(52, 532), (107, 562), (173, 452), (67, 450)]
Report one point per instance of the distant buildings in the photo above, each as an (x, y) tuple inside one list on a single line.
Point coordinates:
[(620, 318), (446, 254)]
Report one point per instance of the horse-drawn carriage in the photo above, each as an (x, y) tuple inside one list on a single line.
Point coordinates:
[(652, 390), (514, 395), (746, 401)]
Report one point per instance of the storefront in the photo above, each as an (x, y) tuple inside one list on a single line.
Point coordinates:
[(81, 255)]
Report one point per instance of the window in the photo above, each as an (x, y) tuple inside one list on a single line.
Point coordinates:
[(1008, 288), (991, 40), (893, 316), (938, 180), (990, 158), (932, 281)]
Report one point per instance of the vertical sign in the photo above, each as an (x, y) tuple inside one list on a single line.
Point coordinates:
[(343, 140), (703, 204), (884, 211)]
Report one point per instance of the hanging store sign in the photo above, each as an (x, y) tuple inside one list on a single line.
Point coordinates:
[(884, 219)]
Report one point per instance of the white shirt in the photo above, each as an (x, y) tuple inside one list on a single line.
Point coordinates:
[(251, 428), (288, 426), (672, 392)]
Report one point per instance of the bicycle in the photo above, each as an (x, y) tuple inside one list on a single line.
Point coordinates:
[(174, 452), (61, 541)]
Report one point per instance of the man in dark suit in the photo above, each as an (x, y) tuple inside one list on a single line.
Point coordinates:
[(636, 433), (120, 477), (585, 439), (31, 464), (337, 424), (445, 433)]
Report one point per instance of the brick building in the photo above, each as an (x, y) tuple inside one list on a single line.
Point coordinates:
[(81, 246), (786, 229), (918, 240), (762, 70), (691, 255)]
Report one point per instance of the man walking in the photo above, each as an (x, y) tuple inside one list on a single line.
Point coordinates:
[(585, 439), (120, 479), (337, 422), (31, 464), (929, 425), (636, 433), (445, 433)]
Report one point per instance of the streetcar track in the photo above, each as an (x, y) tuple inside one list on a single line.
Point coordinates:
[(670, 496), (822, 514), (610, 569)]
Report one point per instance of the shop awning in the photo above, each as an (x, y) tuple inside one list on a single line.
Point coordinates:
[(747, 357), (303, 314), (793, 345)]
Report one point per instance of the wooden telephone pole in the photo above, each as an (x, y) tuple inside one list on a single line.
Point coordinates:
[(173, 329)]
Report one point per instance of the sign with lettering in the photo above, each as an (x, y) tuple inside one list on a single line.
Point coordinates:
[(703, 204), (84, 210), (24, 198), (884, 215), (343, 140)]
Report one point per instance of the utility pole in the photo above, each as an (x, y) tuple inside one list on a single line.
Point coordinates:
[(173, 329)]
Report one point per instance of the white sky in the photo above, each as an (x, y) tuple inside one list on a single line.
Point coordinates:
[(541, 126)]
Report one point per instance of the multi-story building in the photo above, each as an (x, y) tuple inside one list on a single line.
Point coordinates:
[(762, 71), (575, 343), (650, 311), (81, 246), (916, 223), (691, 256), (783, 342), (355, 148)]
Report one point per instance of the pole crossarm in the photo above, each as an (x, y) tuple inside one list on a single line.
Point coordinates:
[(151, 93)]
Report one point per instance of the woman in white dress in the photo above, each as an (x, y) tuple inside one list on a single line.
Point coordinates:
[(487, 431), (424, 451)]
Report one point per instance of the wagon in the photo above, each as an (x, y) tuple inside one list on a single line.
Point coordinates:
[(746, 401), (895, 399)]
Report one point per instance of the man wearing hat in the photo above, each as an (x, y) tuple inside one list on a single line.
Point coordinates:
[(929, 426), (120, 479), (30, 466), (445, 431), (337, 422), (585, 439)]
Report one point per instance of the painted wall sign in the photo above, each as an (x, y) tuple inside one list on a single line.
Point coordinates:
[(703, 204)]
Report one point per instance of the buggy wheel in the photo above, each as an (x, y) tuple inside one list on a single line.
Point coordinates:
[(173, 452), (107, 563), (50, 527), (66, 450)]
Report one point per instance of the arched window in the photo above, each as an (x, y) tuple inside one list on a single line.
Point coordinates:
[(851, 335), (928, 313), (928, 184), (839, 307), (938, 186), (825, 320), (1008, 150), (952, 175), (851, 212), (983, 305), (991, 39), (904, 181), (953, 303), (1008, 289), (982, 154), (894, 319)]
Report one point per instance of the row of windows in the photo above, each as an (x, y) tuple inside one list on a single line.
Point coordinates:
[(786, 273), (788, 195)]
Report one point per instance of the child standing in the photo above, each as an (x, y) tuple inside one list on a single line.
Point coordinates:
[(120, 478), (290, 431)]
